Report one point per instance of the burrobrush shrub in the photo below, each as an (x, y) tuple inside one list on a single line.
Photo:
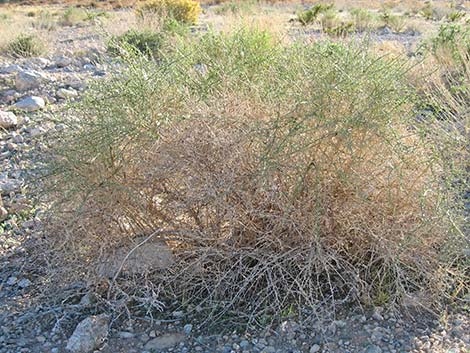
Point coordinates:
[(25, 46), (311, 15), (185, 11), (278, 176), (145, 42)]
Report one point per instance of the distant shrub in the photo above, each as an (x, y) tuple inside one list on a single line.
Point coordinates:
[(362, 19), (25, 46), (185, 11), (396, 23), (455, 16), (143, 42), (311, 15), (451, 41), (45, 20), (72, 16)]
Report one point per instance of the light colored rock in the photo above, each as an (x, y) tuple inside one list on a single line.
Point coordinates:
[(10, 69), (12, 280), (30, 104), (89, 334), (164, 342), (24, 283), (8, 120), (315, 348), (372, 348), (149, 256), (9, 185), (66, 93), (62, 61), (28, 79), (187, 329)]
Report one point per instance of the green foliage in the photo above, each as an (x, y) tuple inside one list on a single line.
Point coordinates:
[(362, 19), (72, 16), (452, 41), (456, 16), (235, 7), (144, 42), (311, 15), (25, 46), (396, 22), (184, 11)]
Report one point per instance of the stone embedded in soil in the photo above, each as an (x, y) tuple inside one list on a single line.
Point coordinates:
[(28, 79), (165, 341), (89, 334), (8, 120), (30, 104)]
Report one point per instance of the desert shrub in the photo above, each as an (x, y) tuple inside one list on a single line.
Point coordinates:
[(455, 16), (185, 11), (311, 15), (45, 20), (144, 42), (72, 16), (451, 41), (235, 7), (395, 22), (278, 177), (25, 46), (362, 19)]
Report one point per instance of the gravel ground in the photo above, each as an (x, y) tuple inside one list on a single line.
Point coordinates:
[(27, 325)]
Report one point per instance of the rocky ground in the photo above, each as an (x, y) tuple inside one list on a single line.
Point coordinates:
[(32, 93)]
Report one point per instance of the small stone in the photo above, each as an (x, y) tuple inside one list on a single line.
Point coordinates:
[(244, 344), (372, 348), (24, 283), (165, 341), (29, 79), (315, 348), (41, 339), (66, 93), (89, 334), (12, 281), (8, 120), (30, 104), (187, 329), (62, 61), (125, 334)]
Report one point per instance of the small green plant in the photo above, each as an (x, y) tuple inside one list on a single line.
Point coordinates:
[(145, 42), (235, 7), (25, 46), (185, 11), (72, 16), (45, 20), (311, 15), (341, 30), (362, 19), (456, 16), (396, 23), (452, 40), (427, 12)]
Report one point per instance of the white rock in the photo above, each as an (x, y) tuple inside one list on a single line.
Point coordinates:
[(10, 69), (89, 334), (30, 104), (66, 93), (24, 283), (164, 342), (3, 213), (28, 79), (8, 120), (315, 348), (11, 281)]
